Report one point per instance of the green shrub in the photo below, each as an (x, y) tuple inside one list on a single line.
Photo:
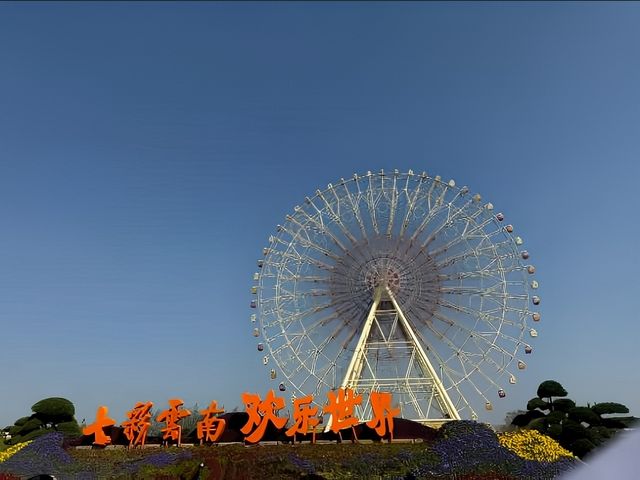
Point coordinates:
[(563, 404), (22, 420), (69, 429), (54, 408), (582, 447), (537, 403), (584, 414), (609, 408)]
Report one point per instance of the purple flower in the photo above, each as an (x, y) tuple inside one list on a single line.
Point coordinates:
[(44, 455), (158, 460), (304, 465)]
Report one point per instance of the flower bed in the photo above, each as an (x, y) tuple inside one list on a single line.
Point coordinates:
[(11, 451), (461, 450), (533, 445)]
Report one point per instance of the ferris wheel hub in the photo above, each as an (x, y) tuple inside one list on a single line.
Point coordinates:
[(394, 263)]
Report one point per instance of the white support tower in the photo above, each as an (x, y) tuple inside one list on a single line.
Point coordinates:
[(389, 357)]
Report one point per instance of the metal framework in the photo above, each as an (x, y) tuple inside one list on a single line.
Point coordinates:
[(396, 282), (412, 378)]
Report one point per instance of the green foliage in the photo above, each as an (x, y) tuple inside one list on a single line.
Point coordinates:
[(524, 419), (572, 431), (609, 408), (30, 425), (581, 447), (613, 423), (70, 429), (537, 403), (554, 430), (21, 421), (601, 434), (190, 423), (563, 404), (54, 408), (628, 422), (579, 429), (551, 388), (29, 436), (556, 417), (48, 414), (521, 420), (539, 424), (584, 414)]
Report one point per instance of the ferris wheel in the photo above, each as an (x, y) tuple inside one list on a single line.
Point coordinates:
[(396, 282)]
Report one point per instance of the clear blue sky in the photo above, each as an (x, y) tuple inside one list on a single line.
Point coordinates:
[(147, 151)]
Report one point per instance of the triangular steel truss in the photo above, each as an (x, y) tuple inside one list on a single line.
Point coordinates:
[(389, 357)]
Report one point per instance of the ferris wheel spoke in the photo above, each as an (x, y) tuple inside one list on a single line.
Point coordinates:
[(305, 279), (477, 234), (448, 223), (449, 322), (431, 214), (339, 222), (472, 334), (354, 208), (482, 292), (321, 227), (299, 316), (310, 245), (458, 355), (448, 373), (394, 205), (485, 316), (371, 204), (328, 212), (484, 272), (412, 203), (432, 187)]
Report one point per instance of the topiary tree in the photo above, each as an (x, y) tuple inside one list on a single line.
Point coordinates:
[(607, 408), (563, 404), (556, 417), (54, 408), (538, 403), (584, 415), (549, 389), (524, 419), (577, 428), (49, 414)]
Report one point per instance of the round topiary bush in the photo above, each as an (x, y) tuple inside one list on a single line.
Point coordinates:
[(54, 407)]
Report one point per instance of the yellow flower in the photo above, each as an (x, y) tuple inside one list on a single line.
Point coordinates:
[(532, 445), (11, 451)]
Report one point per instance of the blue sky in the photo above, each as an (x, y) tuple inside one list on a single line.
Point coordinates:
[(148, 150)]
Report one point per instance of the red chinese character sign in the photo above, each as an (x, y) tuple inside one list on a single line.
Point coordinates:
[(171, 417), (261, 413), (135, 429), (341, 407), (210, 428), (304, 418), (383, 413), (96, 428)]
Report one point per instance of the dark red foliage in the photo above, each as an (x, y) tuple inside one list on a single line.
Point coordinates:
[(8, 476)]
